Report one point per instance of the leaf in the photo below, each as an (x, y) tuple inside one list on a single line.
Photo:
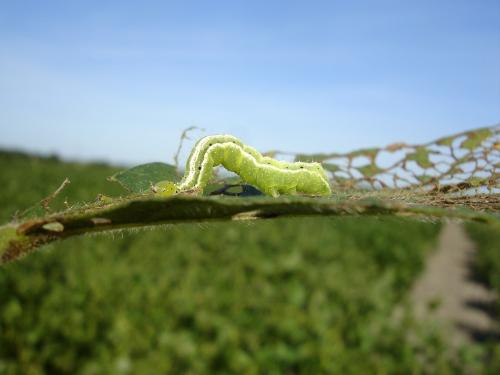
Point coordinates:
[(369, 170), (140, 178), (20, 238), (421, 157), (475, 138)]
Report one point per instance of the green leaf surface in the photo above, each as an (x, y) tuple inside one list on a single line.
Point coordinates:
[(148, 210), (140, 178)]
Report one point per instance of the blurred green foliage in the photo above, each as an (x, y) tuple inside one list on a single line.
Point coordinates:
[(25, 180), (288, 296), (487, 270), (487, 263)]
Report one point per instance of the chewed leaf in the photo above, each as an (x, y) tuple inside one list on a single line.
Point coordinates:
[(140, 178)]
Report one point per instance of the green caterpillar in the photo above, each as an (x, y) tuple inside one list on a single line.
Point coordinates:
[(271, 176)]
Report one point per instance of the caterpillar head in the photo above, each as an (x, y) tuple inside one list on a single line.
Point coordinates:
[(165, 188)]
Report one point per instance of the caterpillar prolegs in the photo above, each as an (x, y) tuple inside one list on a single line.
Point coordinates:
[(271, 176)]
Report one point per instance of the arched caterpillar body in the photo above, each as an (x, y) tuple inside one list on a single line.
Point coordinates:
[(271, 176)]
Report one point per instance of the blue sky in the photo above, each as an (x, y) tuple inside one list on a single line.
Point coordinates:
[(119, 81)]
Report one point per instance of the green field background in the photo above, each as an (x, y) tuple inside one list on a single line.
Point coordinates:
[(287, 296)]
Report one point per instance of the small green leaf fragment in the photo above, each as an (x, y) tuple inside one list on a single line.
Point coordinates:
[(369, 170), (238, 189), (331, 167), (455, 170), (370, 153), (477, 181), (475, 138), (140, 178), (448, 141), (425, 179), (421, 157), (395, 146)]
